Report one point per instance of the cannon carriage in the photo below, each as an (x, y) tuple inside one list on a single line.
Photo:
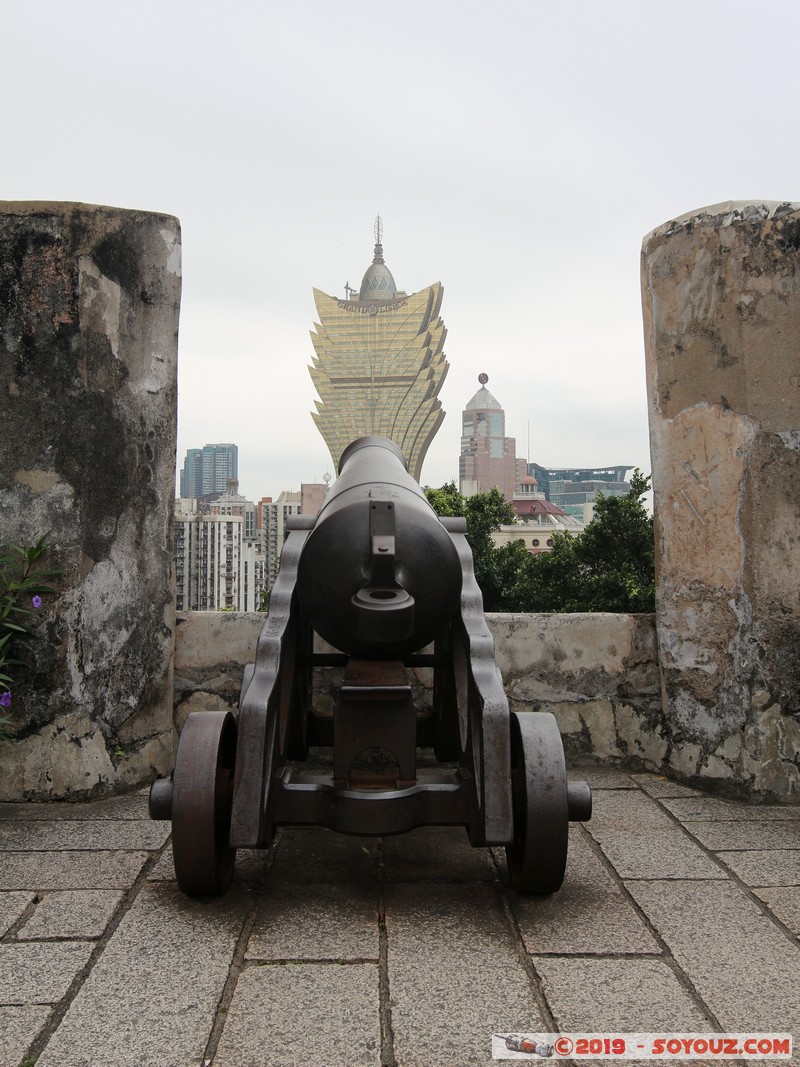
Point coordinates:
[(390, 587)]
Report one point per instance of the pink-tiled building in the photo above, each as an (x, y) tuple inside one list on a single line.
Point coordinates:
[(488, 458)]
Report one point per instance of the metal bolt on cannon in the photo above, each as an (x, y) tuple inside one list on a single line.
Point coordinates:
[(382, 579)]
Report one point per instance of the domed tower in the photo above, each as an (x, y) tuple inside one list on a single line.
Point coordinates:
[(378, 364), (488, 458), (377, 283)]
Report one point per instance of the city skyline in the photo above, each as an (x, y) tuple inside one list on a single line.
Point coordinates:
[(520, 154), (521, 465)]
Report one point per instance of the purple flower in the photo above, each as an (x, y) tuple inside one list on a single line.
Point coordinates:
[(5, 699), (36, 601)]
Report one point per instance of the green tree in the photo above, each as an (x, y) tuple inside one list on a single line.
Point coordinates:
[(485, 513), (610, 566), (447, 501)]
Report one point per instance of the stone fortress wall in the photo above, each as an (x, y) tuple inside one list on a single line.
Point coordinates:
[(706, 691), (89, 302), (721, 299)]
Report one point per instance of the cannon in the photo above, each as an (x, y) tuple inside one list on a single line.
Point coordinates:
[(375, 586)]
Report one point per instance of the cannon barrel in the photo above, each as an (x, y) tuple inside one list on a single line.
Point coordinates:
[(379, 575)]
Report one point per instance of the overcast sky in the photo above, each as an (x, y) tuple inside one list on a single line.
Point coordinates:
[(517, 152)]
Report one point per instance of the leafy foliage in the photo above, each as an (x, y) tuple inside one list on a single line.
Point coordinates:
[(485, 513), (21, 591), (610, 566)]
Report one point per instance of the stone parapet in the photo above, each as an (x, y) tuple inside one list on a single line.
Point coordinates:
[(721, 296), (596, 673), (89, 299)]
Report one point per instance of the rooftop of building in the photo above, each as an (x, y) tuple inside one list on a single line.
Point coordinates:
[(232, 494), (539, 508), (579, 474), (484, 401)]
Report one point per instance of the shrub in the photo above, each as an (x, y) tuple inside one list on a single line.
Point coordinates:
[(22, 587)]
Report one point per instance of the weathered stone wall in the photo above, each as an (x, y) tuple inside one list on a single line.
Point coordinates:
[(89, 301), (721, 295), (596, 673)]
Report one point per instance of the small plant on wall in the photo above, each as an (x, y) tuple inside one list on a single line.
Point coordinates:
[(22, 587)]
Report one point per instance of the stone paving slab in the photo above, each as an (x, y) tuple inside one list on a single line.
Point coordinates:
[(627, 995), (642, 841), (702, 808), (723, 836), (306, 1014), (40, 972), (151, 997), (656, 786), (745, 969), (783, 902), (72, 913), (311, 853), (601, 777), (132, 806), (163, 870), (454, 975), (70, 870), (12, 907), (589, 914), (313, 922), (764, 868), (82, 835), (19, 1026), (437, 854), (251, 865)]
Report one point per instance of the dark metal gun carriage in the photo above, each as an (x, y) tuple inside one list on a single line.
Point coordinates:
[(391, 586)]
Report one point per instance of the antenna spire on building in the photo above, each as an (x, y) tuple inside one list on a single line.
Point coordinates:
[(378, 239)]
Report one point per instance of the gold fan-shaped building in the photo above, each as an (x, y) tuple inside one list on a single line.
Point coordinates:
[(378, 364)]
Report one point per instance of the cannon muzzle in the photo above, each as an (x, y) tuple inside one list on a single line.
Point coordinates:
[(378, 576)]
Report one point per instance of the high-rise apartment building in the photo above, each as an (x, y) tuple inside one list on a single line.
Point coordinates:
[(233, 503), (488, 458), (191, 479), (219, 564), (378, 364), (272, 524), (207, 470), (312, 496)]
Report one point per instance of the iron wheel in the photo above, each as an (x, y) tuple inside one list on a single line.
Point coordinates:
[(537, 857), (201, 805)]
